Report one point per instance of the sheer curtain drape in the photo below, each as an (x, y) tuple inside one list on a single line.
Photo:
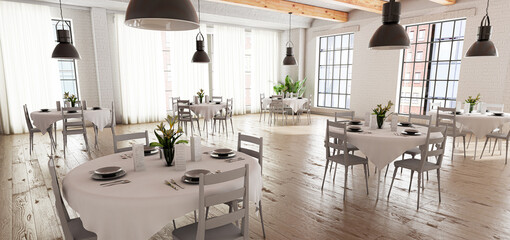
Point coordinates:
[(142, 86), (28, 74), (265, 64), (187, 77), (228, 65)]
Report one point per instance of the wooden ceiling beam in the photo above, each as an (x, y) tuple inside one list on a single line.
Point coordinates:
[(374, 6), (296, 9), (444, 2)]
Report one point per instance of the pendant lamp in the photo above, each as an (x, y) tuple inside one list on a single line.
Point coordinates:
[(200, 55), (161, 15), (390, 35), (289, 58), (64, 48), (483, 47)]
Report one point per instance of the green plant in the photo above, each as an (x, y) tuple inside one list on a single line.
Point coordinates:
[(168, 137), (381, 111), (289, 86), (201, 93), (472, 100), (71, 98)]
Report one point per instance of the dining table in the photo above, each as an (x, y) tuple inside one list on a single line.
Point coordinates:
[(383, 146), (44, 119), (142, 207), (207, 110), (294, 103)]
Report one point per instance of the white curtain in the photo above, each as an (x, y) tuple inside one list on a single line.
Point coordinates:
[(265, 64), (187, 77), (28, 74), (142, 86), (229, 65)]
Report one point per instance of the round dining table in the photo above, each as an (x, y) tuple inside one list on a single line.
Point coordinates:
[(140, 208), (207, 111), (383, 146), (295, 104), (44, 120)]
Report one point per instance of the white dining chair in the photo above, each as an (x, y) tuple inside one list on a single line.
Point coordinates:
[(185, 116), (128, 137), (434, 147), (216, 99), (220, 227), (174, 105), (337, 131), (32, 130), (447, 117), (277, 107), (73, 124), (344, 117), (497, 136), (72, 228), (225, 116), (59, 108), (307, 109), (263, 109), (109, 125)]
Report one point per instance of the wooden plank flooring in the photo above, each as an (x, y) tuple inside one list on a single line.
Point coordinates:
[(475, 193)]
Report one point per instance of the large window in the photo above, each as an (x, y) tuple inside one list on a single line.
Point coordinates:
[(431, 66), (67, 67), (165, 38), (335, 71)]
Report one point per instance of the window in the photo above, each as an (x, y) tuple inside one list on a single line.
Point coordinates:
[(421, 35), (167, 68), (435, 67), (66, 67), (411, 35), (335, 71)]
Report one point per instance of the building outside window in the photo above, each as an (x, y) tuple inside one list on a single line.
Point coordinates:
[(66, 67), (432, 75), (335, 71)]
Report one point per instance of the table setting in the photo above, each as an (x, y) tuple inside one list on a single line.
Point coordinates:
[(44, 118)]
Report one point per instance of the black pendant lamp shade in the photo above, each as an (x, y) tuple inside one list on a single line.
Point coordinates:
[(64, 48), (200, 55), (162, 15), (483, 47), (390, 35), (289, 57)]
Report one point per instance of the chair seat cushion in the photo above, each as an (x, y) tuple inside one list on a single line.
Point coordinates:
[(413, 151), (189, 232), (353, 159), (497, 135), (78, 231), (414, 164)]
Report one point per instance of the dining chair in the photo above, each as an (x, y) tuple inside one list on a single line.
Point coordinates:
[(337, 131), (276, 96), (277, 107), (73, 124), (263, 109), (220, 227), (32, 130), (174, 105), (127, 137), (433, 147), (497, 136), (109, 125), (307, 109), (447, 117), (72, 228), (344, 117), (59, 108), (495, 107), (225, 116), (77, 104), (185, 115), (216, 99)]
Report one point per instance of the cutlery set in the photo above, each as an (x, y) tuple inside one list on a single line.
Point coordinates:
[(173, 184), (126, 156), (113, 183)]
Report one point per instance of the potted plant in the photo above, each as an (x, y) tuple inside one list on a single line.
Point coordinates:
[(168, 138), (380, 112), (201, 94), (71, 98), (472, 102), (289, 86)]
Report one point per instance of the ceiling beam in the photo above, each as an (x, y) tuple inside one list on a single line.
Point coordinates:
[(374, 6), (296, 9), (444, 2)]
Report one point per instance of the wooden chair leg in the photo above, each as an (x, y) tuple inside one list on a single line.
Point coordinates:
[(345, 180), (325, 171), (485, 145), (494, 149), (366, 177), (392, 180), (411, 181), (439, 184), (418, 200), (262, 219), (464, 142)]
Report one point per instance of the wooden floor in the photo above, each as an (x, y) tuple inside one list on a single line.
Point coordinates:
[(475, 193)]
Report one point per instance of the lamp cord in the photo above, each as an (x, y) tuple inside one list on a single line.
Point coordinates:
[(290, 28), (486, 19), (61, 15), (199, 21)]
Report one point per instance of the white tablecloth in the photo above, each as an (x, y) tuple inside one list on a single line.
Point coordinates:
[(382, 146), (482, 124), (139, 209), (295, 103), (207, 110), (44, 120)]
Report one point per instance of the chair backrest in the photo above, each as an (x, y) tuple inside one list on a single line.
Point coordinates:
[(336, 131), (78, 104), (229, 106), (113, 121), (27, 118), (174, 103), (59, 107), (215, 199), (434, 147), (349, 115), (262, 96), (447, 117), (127, 137), (59, 201), (252, 140), (495, 107), (276, 96), (435, 105), (216, 99), (183, 109), (277, 104), (420, 120), (73, 121)]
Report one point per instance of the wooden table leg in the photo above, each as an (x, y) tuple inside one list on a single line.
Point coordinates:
[(378, 183), (476, 145)]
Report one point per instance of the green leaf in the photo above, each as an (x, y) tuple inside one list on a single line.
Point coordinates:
[(156, 144), (181, 141)]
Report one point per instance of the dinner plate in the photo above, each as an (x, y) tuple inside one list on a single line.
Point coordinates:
[(108, 170), (193, 176), (497, 114), (411, 132), (96, 108), (120, 174), (355, 122), (356, 129), (230, 155), (44, 110), (405, 124), (223, 151), (189, 180)]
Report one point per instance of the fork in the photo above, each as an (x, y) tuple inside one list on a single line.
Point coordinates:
[(170, 184), (175, 183)]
